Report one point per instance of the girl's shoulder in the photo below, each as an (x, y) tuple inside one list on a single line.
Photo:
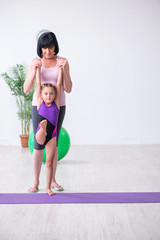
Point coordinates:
[(40, 104)]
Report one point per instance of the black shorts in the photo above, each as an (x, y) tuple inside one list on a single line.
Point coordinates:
[(35, 121)]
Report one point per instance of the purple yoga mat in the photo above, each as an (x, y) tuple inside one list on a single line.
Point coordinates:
[(71, 198)]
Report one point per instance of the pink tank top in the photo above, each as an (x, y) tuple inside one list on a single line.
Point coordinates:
[(50, 75)]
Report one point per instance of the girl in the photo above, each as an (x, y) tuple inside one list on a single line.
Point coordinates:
[(48, 107)]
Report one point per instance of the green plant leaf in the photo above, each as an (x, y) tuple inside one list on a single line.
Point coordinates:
[(15, 78)]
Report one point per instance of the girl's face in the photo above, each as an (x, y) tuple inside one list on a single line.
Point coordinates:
[(48, 52), (48, 95)]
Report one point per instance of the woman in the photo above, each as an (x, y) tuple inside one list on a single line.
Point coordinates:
[(47, 50)]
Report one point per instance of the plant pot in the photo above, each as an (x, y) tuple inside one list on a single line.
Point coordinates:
[(24, 141)]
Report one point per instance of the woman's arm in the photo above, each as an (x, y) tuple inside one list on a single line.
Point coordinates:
[(38, 87), (67, 83), (28, 84)]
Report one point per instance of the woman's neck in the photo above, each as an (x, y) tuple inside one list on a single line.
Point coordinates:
[(49, 62)]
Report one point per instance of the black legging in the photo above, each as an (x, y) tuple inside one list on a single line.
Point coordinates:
[(35, 123)]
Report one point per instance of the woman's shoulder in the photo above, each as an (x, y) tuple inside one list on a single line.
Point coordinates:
[(60, 57)]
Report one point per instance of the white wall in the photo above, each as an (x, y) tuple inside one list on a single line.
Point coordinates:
[(114, 54)]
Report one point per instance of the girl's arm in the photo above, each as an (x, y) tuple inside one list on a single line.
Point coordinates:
[(58, 86), (38, 87), (28, 84), (67, 83)]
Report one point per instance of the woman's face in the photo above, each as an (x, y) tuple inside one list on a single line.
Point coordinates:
[(48, 52)]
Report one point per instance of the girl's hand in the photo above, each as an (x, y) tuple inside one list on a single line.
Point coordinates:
[(36, 63)]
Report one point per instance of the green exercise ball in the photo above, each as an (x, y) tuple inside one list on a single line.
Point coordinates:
[(63, 144), (31, 142)]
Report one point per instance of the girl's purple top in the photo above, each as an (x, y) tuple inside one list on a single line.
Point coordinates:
[(50, 113)]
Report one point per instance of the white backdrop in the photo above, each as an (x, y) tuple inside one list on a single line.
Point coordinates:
[(113, 48)]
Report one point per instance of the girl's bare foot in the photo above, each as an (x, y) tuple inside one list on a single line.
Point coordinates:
[(41, 133), (50, 192), (43, 125)]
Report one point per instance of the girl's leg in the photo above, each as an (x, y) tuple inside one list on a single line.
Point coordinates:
[(41, 133), (50, 152), (37, 154)]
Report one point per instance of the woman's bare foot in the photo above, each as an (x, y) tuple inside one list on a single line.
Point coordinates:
[(50, 192), (56, 186), (33, 189)]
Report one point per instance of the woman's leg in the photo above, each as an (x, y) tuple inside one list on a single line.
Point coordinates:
[(50, 152), (54, 184), (37, 163)]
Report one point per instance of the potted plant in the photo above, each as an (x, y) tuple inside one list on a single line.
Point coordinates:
[(15, 78)]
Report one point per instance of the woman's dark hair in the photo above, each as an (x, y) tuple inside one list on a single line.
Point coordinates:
[(47, 39)]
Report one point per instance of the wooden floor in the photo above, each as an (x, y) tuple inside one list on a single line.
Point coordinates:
[(110, 168)]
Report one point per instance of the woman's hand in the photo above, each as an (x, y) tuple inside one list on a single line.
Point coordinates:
[(62, 62), (28, 84), (36, 62)]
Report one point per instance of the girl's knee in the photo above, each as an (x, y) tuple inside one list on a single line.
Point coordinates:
[(49, 163)]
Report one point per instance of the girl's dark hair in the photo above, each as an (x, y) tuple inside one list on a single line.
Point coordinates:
[(47, 39), (49, 85)]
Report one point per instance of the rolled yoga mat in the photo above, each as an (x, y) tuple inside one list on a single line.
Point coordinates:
[(72, 198)]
